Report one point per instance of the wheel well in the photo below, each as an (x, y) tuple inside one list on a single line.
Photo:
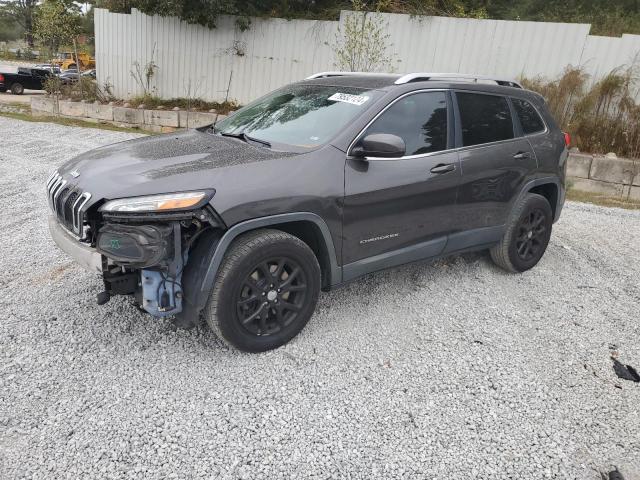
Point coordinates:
[(550, 192), (310, 234)]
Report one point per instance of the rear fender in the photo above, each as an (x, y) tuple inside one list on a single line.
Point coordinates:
[(559, 201)]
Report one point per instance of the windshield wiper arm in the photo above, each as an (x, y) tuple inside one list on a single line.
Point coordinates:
[(246, 138), (257, 140)]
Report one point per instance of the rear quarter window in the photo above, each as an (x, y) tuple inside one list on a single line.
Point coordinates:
[(528, 116), (484, 118)]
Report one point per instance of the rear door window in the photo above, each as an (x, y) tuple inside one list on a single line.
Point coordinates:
[(529, 117), (484, 118), (419, 119)]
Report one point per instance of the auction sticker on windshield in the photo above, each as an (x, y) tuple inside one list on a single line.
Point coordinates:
[(347, 98)]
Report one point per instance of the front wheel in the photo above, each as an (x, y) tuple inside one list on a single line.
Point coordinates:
[(265, 292), (527, 236), (17, 89)]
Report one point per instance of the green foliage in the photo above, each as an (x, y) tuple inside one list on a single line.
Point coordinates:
[(57, 22), (601, 117), (10, 29), (17, 13), (362, 44), (608, 17)]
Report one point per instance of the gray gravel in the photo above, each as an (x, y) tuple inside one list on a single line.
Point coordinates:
[(452, 370)]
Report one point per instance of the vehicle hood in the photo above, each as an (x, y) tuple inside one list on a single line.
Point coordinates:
[(190, 160)]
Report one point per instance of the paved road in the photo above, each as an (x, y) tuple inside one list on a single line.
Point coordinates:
[(454, 370)]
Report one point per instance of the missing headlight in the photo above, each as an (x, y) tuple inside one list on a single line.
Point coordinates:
[(137, 246)]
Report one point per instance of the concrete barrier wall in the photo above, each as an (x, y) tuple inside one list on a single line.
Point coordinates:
[(151, 120), (605, 175)]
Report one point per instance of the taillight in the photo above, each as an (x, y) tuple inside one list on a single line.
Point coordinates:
[(567, 139), (1, 78)]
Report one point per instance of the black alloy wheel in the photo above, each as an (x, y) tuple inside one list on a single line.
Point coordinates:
[(527, 234), (531, 236), (265, 291), (271, 296)]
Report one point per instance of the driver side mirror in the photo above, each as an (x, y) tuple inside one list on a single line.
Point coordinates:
[(382, 145)]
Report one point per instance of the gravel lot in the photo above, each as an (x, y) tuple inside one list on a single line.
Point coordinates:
[(452, 370)]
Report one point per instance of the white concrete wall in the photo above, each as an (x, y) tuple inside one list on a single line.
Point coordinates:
[(274, 52)]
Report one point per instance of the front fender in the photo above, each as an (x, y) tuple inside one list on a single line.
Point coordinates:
[(205, 260)]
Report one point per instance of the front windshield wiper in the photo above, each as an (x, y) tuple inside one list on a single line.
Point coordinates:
[(246, 138)]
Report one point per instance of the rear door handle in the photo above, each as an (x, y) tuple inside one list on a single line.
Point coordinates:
[(522, 155), (443, 168)]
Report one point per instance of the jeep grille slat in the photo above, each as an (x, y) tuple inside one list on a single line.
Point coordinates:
[(68, 203)]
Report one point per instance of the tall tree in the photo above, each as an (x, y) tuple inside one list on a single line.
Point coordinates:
[(21, 12), (608, 17), (57, 23)]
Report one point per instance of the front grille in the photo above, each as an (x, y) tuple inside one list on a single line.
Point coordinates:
[(68, 204)]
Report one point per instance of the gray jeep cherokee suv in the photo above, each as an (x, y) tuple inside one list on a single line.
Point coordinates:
[(242, 223)]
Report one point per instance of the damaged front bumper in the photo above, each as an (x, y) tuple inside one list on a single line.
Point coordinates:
[(85, 255)]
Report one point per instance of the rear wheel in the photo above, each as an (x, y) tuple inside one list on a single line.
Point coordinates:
[(265, 292), (527, 236), (2, 90), (17, 89)]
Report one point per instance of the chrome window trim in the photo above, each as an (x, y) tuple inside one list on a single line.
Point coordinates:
[(404, 157), (412, 157), (490, 144)]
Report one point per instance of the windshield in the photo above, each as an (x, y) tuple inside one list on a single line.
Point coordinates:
[(303, 116)]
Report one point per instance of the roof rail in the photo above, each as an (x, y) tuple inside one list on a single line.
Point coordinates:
[(339, 74), (424, 76)]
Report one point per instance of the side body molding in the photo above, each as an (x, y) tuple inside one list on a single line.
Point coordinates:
[(335, 275)]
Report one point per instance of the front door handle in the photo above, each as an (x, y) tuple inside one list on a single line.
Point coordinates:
[(443, 168), (522, 155)]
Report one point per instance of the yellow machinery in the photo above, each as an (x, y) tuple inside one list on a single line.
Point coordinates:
[(67, 60)]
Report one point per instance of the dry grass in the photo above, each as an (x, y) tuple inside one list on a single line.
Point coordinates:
[(84, 89), (603, 200), (194, 104), (71, 122), (601, 117)]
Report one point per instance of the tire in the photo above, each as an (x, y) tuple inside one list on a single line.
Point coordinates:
[(527, 236), (17, 89), (2, 90), (257, 302)]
